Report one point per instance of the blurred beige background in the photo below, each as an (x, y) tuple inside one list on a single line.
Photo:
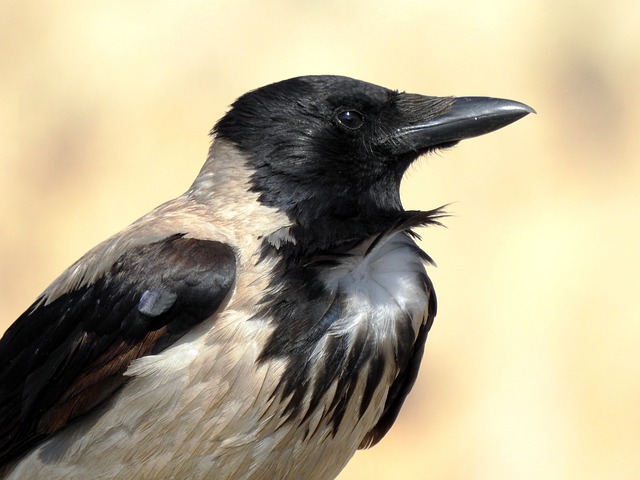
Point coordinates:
[(532, 369)]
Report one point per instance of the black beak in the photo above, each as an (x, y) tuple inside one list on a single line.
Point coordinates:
[(467, 117)]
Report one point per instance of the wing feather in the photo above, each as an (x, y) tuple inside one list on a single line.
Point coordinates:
[(62, 358)]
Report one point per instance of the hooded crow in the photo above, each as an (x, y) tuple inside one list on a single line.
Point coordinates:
[(263, 325)]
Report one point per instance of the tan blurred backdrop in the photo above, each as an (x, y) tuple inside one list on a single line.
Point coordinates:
[(532, 368)]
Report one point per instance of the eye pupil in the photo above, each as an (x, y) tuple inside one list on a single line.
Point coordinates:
[(351, 119)]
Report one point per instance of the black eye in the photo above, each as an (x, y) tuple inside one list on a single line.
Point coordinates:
[(351, 119)]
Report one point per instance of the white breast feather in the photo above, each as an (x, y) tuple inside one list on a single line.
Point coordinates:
[(381, 284)]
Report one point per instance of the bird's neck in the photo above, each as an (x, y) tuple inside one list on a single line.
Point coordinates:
[(301, 243)]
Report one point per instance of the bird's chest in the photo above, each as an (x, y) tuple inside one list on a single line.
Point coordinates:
[(379, 302), (381, 286), (341, 331), (345, 326)]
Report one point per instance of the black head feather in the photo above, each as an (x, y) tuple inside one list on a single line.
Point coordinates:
[(325, 151)]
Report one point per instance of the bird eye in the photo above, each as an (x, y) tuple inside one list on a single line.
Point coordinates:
[(351, 119)]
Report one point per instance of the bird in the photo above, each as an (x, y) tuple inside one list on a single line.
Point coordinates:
[(265, 324)]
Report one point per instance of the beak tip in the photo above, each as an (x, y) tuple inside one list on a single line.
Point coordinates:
[(523, 108), (493, 106)]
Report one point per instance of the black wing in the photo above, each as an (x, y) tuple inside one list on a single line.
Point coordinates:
[(61, 359)]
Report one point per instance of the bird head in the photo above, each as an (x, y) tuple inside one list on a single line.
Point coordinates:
[(331, 151)]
